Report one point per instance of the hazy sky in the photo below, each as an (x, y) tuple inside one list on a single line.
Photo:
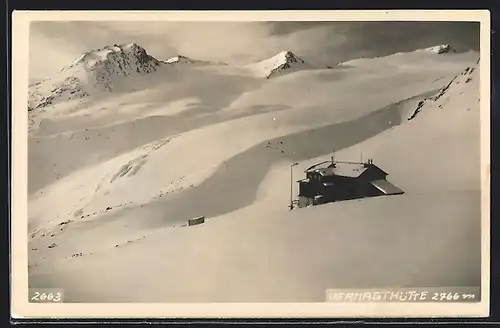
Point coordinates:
[(54, 45)]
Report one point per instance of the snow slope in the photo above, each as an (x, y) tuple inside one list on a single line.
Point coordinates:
[(125, 207), (174, 101)]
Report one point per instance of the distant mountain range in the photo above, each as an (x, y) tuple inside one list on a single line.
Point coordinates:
[(98, 71)]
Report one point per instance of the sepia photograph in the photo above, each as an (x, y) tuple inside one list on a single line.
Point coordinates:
[(254, 161)]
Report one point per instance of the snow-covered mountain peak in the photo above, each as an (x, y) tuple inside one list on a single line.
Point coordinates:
[(283, 58), (113, 53), (180, 59), (439, 49), (277, 65), (289, 57), (94, 71)]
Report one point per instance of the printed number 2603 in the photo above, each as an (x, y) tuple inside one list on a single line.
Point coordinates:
[(46, 297)]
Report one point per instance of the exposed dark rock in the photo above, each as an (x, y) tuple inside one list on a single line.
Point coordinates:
[(64, 222)]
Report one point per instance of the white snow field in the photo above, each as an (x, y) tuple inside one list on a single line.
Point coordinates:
[(115, 174)]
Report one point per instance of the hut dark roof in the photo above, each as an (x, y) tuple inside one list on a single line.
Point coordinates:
[(345, 169)]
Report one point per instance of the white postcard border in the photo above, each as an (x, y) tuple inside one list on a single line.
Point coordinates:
[(20, 308)]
